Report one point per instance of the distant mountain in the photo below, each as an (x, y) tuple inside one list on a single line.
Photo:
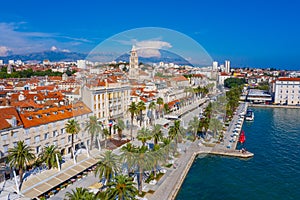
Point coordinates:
[(56, 56), (53, 56), (165, 56)]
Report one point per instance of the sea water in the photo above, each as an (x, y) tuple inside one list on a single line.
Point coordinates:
[(273, 172)]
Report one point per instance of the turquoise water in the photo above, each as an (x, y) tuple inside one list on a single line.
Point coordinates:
[(273, 172)]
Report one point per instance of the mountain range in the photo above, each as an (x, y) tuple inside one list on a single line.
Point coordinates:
[(56, 56)]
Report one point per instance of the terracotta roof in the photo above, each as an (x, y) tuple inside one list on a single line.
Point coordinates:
[(179, 78), (31, 119), (8, 113), (288, 79)]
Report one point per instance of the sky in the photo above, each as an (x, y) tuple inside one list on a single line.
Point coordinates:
[(248, 33)]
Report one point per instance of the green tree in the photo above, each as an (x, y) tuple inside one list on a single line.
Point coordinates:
[(72, 127), (141, 107), (107, 166), (194, 126), (176, 132), (120, 128), (234, 82), (93, 127), (215, 125), (133, 110), (79, 194), (106, 134), (166, 108), (144, 135), (160, 102), (48, 155), (157, 134), (122, 188), (20, 157), (152, 107)]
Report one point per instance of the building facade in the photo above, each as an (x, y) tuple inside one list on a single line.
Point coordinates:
[(108, 100), (287, 91)]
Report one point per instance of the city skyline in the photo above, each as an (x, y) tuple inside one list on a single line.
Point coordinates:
[(256, 34)]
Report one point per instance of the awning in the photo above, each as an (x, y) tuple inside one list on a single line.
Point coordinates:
[(162, 121), (48, 183)]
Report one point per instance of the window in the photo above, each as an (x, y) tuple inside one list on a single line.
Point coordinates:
[(55, 133), (27, 141), (47, 144), (26, 131), (15, 144), (46, 136), (62, 131), (38, 149), (62, 141), (55, 143), (280, 91), (69, 138), (5, 148), (37, 139), (4, 137)]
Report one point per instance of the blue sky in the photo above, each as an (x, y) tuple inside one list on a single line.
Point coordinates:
[(249, 33)]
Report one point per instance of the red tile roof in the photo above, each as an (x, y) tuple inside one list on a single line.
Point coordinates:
[(53, 114), (8, 113), (288, 79)]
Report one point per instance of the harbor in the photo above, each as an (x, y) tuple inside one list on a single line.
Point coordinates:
[(169, 187)]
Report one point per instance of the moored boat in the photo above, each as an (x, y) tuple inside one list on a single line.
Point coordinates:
[(249, 115), (242, 138)]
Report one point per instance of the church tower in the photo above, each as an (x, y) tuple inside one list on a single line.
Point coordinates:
[(133, 64)]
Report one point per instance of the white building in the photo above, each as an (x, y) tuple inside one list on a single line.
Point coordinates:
[(108, 100), (287, 91), (215, 66), (1, 62), (11, 62), (81, 64), (222, 77), (227, 66)]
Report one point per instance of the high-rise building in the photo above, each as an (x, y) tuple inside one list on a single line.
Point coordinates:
[(227, 66), (215, 66), (1, 62), (11, 62)]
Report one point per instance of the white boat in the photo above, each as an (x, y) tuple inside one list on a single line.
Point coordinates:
[(249, 115)]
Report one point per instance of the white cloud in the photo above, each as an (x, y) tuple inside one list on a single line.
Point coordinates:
[(19, 41), (4, 51), (150, 48), (53, 48)]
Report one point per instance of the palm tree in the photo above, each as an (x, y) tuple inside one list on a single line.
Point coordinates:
[(215, 125), (157, 134), (158, 155), (175, 132), (141, 107), (106, 134), (120, 128), (166, 108), (160, 102), (128, 156), (122, 188), (20, 157), (144, 161), (79, 194), (152, 107), (48, 156), (133, 110), (93, 127), (107, 166), (72, 127), (194, 126), (144, 135)]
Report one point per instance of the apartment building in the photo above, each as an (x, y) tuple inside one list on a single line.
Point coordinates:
[(287, 91)]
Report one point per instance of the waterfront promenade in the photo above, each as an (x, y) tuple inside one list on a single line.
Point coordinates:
[(169, 186)]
